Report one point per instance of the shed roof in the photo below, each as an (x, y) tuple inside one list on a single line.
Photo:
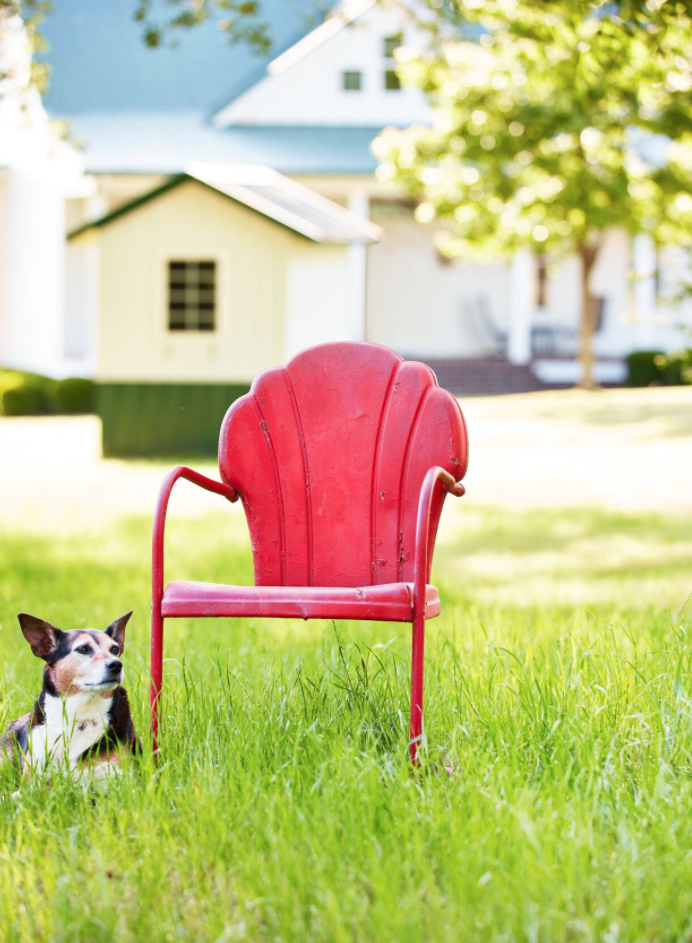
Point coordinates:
[(266, 192)]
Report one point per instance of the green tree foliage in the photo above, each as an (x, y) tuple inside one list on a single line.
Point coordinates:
[(559, 121), (32, 12), (161, 21), (239, 20)]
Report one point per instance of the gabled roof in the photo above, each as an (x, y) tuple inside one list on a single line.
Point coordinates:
[(342, 15), (100, 62), (269, 193), (147, 111)]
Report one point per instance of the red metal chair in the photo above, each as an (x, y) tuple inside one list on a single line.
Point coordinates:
[(342, 460)]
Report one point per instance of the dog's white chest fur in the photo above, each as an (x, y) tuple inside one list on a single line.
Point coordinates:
[(73, 725)]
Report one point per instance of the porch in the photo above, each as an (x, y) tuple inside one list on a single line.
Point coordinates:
[(496, 375)]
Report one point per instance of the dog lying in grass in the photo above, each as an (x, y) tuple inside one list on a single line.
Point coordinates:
[(81, 719)]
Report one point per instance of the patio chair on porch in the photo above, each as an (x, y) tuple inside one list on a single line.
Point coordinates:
[(489, 327), (547, 340), (342, 461)]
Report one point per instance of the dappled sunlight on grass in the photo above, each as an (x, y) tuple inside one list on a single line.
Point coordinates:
[(571, 557), (558, 690), (652, 413), (629, 450)]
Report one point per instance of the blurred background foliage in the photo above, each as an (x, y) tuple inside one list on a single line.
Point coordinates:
[(554, 123)]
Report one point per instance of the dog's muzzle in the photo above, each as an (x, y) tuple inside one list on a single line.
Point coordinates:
[(114, 670)]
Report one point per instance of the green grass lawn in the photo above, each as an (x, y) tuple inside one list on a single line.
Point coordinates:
[(284, 808)]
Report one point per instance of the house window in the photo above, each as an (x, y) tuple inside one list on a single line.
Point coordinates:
[(390, 45), (391, 81), (191, 296), (352, 81)]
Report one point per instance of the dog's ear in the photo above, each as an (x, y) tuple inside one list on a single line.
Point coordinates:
[(116, 630), (42, 636)]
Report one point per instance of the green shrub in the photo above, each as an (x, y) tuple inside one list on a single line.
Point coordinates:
[(8, 379), (643, 368), (75, 395), (676, 368), (14, 379), (30, 394), (48, 387), (25, 399)]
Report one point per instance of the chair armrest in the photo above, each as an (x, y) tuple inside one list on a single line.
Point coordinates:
[(420, 563), (180, 471)]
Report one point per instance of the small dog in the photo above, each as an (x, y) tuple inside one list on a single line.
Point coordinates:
[(81, 719)]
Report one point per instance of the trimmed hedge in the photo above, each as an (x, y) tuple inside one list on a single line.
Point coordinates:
[(29, 394), (75, 395), (643, 370), (676, 368), (26, 399), (654, 368)]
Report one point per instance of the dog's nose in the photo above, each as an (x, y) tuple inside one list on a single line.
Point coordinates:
[(114, 666)]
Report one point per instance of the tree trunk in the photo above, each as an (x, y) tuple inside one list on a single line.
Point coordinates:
[(587, 325)]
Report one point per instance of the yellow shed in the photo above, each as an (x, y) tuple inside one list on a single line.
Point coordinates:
[(199, 285)]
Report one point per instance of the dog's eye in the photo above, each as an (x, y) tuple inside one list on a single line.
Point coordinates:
[(84, 649), (115, 650)]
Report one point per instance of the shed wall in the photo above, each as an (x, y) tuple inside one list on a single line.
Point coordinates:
[(191, 222), (317, 298)]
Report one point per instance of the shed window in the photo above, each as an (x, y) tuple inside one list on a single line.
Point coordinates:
[(191, 296), (352, 81)]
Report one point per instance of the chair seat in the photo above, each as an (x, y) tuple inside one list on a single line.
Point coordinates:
[(390, 602)]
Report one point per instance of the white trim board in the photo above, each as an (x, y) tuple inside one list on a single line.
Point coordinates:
[(569, 371)]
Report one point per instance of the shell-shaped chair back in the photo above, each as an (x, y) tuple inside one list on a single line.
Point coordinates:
[(329, 454)]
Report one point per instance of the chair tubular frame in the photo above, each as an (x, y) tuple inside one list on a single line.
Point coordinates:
[(435, 477)]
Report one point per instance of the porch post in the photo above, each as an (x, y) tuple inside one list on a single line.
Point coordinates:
[(359, 203), (520, 303), (644, 259)]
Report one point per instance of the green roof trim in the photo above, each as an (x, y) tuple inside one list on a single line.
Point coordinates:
[(273, 197), (126, 208), (171, 184)]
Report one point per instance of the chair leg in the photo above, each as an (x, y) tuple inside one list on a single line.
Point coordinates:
[(417, 655), (156, 669)]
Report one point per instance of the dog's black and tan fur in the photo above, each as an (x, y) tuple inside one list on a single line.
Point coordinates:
[(82, 716)]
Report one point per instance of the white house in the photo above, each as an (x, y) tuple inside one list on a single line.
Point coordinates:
[(38, 176), (309, 114)]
